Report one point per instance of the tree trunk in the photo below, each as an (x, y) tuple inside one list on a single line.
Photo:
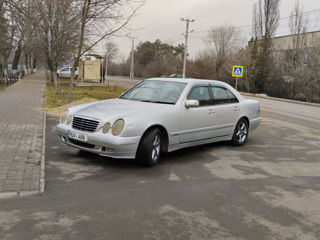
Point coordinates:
[(84, 15), (55, 76), (31, 63), (26, 61), (16, 57)]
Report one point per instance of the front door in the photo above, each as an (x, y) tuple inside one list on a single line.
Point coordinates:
[(196, 123)]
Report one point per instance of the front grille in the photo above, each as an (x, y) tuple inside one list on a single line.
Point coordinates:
[(84, 124), (81, 144)]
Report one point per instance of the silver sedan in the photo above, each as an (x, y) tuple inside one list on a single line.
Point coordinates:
[(160, 115)]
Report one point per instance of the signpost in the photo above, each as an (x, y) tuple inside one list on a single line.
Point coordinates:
[(237, 71)]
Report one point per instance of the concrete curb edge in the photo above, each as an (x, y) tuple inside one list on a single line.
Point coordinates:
[(43, 150), (43, 157), (281, 99)]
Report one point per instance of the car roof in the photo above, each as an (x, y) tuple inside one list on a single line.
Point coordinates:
[(194, 80), (188, 80)]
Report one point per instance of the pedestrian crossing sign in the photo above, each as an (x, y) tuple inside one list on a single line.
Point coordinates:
[(237, 71)]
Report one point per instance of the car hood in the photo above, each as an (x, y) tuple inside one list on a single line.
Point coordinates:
[(118, 108)]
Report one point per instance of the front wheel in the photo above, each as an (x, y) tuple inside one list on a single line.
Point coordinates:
[(240, 134), (149, 149)]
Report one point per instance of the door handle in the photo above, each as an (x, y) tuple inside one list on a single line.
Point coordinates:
[(236, 108)]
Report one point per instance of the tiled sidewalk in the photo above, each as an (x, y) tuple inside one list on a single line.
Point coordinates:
[(21, 135)]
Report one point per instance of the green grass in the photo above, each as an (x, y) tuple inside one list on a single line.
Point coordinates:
[(56, 97)]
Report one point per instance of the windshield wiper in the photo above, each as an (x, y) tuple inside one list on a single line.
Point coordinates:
[(162, 102)]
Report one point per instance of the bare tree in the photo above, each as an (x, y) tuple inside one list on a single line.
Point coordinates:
[(266, 16), (57, 25), (313, 69), (8, 31), (50, 26), (93, 15), (223, 41), (265, 22), (111, 52), (298, 49)]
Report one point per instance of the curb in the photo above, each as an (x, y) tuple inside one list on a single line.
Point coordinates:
[(8, 195), (43, 157), (281, 99), (43, 150)]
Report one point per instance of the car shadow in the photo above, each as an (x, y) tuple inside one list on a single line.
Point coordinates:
[(186, 155)]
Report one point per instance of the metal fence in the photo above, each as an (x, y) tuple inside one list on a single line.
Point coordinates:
[(9, 79)]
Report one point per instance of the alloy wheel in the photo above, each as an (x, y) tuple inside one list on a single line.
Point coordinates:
[(156, 148), (242, 132)]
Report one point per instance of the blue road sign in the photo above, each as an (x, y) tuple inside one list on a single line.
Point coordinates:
[(237, 71)]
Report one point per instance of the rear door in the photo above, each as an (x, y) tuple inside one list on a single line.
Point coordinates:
[(227, 109)]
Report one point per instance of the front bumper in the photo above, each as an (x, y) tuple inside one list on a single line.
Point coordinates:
[(102, 144)]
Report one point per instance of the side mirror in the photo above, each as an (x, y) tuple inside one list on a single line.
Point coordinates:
[(192, 103)]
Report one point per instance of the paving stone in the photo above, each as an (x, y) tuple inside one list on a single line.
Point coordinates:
[(21, 122)]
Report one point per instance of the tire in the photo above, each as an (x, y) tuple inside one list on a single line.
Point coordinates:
[(240, 134), (149, 148)]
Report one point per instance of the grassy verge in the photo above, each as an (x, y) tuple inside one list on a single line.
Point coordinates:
[(56, 97)]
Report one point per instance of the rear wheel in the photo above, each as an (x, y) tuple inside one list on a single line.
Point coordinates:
[(240, 134), (149, 149)]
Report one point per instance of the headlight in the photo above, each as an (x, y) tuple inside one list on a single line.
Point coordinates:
[(117, 127), (64, 116), (69, 119), (106, 128)]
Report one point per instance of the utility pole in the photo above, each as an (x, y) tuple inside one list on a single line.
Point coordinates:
[(186, 44), (132, 59)]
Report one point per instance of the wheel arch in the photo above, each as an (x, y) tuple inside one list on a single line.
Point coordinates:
[(246, 119), (164, 136)]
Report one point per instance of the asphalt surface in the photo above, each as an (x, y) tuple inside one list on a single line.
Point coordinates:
[(267, 189)]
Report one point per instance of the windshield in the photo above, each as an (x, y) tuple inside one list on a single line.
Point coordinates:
[(155, 92)]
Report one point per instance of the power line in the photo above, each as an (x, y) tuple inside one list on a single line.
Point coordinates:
[(315, 11)]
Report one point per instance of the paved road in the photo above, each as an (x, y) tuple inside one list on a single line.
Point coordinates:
[(267, 189), (21, 127)]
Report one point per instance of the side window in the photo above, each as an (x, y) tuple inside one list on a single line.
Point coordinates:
[(200, 93), (220, 95), (232, 97)]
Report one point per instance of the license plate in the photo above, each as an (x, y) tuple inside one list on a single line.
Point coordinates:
[(77, 136)]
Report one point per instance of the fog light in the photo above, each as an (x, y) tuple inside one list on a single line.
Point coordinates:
[(110, 150), (63, 138)]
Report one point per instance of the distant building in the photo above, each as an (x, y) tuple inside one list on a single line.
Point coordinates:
[(283, 48), (90, 68)]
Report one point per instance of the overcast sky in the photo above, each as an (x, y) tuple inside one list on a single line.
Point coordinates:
[(160, 19)]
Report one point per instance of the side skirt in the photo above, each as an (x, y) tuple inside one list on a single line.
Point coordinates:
[(175, 147)]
